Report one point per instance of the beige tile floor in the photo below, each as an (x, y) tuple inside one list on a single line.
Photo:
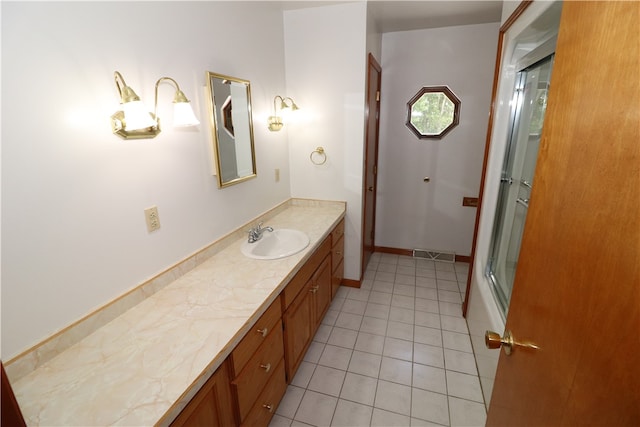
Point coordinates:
[(395, 352)]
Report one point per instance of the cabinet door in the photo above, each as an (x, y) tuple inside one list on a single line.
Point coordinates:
[(298, 329), (321, 287), (211, 406), (336, 278)]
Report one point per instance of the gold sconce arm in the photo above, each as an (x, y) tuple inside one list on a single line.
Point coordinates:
[(129, 95), (183, 114)]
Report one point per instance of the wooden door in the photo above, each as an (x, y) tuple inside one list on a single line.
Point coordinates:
[(372, 117), (577, 288)]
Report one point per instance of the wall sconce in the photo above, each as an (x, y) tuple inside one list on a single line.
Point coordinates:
[(275, 122), (135, 121)]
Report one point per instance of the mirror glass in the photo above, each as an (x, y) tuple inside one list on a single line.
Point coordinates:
[(232, 127), (433, 112)]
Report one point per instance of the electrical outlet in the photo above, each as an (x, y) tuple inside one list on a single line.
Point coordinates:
[(153, 220), (277, 175)]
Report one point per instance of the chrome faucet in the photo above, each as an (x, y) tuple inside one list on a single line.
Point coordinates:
[(255, 233)]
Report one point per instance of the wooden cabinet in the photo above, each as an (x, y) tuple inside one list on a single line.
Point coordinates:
[(337, 257), (211, 406), (304, 301), (249, 385), (258, 369)]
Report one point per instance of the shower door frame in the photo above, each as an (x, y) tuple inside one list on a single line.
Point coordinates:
[(507, 203)]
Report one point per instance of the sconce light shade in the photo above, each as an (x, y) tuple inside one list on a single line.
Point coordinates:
[(137, 116), (274, 122), (134, 121), (183, 114)]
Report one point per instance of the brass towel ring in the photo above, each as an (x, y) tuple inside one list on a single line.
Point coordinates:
[(321, 157)]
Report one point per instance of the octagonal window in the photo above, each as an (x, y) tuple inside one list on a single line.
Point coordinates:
[(433, 112)]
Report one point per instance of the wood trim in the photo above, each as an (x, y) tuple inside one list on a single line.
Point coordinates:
[(463, 258), (350, 283), (494, 92), (515, 15), (394, 251)]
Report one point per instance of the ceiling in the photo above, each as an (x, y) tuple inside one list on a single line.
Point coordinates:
[(391, 15)]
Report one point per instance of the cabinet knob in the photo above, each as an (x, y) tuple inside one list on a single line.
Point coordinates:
[(266, 367), (338, 253), (268, 407), (314, 289), (263, 331)]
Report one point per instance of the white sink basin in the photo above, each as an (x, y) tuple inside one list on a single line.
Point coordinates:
[(279, 243)]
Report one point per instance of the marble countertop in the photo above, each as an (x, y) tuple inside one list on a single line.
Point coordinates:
[(143, 367)]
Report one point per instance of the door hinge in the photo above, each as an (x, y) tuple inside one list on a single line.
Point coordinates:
[(378, 96), (375, 169)]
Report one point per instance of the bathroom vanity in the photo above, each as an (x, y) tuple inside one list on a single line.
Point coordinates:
[(216, 346)]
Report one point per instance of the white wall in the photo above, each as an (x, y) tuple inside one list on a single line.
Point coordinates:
[(326, 71), (374, 35), (411, 213), (73, 194)]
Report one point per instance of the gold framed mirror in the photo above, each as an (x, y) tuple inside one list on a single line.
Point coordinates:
[(229, 100)]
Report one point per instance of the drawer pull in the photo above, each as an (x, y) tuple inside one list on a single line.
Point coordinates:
[(268, 407), (338, 253), (263, 331), (314, 289), (266, 367)]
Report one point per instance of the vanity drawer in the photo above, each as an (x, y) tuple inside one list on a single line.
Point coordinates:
[(256, 336), (302, 277), (251, 381), (266, 404)]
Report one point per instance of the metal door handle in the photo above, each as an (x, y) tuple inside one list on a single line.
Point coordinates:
[(523, 202), (494, 340)]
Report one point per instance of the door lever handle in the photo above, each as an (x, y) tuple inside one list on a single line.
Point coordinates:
[(494, 340)]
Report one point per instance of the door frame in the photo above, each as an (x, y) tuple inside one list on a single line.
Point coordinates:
[(487, 147), (370, 165)]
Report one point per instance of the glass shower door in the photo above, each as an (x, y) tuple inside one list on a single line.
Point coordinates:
[(529, 106)]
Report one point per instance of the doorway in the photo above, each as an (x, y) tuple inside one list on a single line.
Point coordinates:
[(372, 123)]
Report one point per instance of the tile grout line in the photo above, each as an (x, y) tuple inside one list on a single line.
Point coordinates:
[(387, 318)]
